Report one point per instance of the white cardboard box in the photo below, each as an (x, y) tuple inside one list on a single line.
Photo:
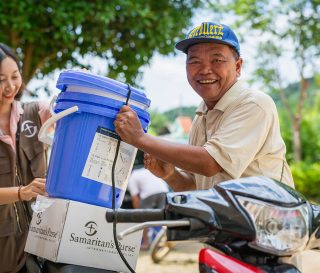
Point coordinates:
[(77, 233)]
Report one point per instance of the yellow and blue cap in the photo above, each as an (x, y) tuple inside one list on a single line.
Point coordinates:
[(209, 32)]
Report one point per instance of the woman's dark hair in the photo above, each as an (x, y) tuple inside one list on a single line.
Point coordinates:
[(6, 51)]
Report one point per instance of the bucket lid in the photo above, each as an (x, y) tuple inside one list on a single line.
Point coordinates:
[(95, 102), (91, 81)]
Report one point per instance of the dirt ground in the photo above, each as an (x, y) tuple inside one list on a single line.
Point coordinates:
[(184, 258)]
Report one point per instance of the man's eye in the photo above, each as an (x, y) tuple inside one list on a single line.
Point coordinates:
[(217, 61), (193, 62)]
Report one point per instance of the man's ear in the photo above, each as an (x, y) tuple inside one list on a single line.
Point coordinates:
[(239, 66)]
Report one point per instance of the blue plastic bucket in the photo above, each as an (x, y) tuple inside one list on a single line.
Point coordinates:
[(84, 143)]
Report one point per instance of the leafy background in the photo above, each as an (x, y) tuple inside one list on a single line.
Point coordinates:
[(53, 35)]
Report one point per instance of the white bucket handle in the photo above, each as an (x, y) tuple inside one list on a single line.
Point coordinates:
[(43, 133)]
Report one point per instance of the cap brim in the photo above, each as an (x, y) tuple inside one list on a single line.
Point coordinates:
[(183, 45)]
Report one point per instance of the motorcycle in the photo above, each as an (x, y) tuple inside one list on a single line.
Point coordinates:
[(251, 225)]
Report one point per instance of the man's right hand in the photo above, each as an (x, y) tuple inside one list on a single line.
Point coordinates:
[(158, 167)]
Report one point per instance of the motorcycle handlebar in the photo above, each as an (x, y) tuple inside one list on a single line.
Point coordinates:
[(136, 215)]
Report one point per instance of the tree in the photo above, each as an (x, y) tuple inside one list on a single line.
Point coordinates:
[(310, 123), (159, 122), (54, 34), (285, 28)]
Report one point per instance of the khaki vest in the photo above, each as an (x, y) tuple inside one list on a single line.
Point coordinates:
[(16, 169)]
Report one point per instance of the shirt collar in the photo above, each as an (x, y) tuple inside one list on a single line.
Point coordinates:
[(16, 112), (231, 95)]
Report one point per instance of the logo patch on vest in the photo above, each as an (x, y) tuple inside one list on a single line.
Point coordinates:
[(28, 128)]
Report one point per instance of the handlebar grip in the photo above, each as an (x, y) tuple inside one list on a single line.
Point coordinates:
[(136, 215)]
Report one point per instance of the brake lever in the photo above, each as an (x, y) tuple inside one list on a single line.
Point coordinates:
[(141, 226)]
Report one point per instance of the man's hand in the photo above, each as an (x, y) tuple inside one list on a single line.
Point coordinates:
[(158, 167), (128, 126)]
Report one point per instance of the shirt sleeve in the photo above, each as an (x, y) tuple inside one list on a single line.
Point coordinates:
[(133, 186), (239, 138)]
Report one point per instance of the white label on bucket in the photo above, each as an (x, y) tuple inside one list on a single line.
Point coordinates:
[(99, 162)]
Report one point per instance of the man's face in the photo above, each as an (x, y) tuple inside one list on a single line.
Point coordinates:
[(211, 70)]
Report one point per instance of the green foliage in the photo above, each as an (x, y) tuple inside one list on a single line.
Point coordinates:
[(306, 174), (286, 132), (188, 111), (297, 20), (307, 179), (286, 29), (310, 129), (283, 30), (158, 122), (310, 125), (292, 93), (54, 34)]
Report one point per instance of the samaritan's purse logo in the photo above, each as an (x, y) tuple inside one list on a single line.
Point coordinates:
[(42, 230), (29, 128), (91, 228), (39, 218), (98, 243)]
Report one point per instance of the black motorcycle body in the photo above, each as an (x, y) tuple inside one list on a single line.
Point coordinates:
[(253, 222)]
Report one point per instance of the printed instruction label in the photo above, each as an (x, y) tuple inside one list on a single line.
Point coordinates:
[(99, 162)]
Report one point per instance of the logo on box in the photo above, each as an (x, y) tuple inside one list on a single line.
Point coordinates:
[(91, 228), (97, 243)]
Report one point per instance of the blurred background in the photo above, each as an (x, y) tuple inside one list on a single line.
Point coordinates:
[(133, 42)]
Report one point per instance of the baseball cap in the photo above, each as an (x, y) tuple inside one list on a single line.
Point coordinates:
[(209, 32)]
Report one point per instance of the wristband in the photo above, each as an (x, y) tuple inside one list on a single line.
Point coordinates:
[(19, 193)]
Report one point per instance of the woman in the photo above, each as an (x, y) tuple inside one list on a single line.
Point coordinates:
[(22, 161)]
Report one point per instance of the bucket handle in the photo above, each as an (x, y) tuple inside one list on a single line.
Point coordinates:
[(43, 133)]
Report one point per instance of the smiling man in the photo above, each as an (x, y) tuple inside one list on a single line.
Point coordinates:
[(235, 132)]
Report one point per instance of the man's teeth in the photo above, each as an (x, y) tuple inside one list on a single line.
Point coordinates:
[(207, 81)]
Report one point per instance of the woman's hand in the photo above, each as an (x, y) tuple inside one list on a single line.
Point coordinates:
[(36, 187), (158, 167)]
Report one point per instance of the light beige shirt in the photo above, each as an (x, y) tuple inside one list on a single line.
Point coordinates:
[(242, 134)]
